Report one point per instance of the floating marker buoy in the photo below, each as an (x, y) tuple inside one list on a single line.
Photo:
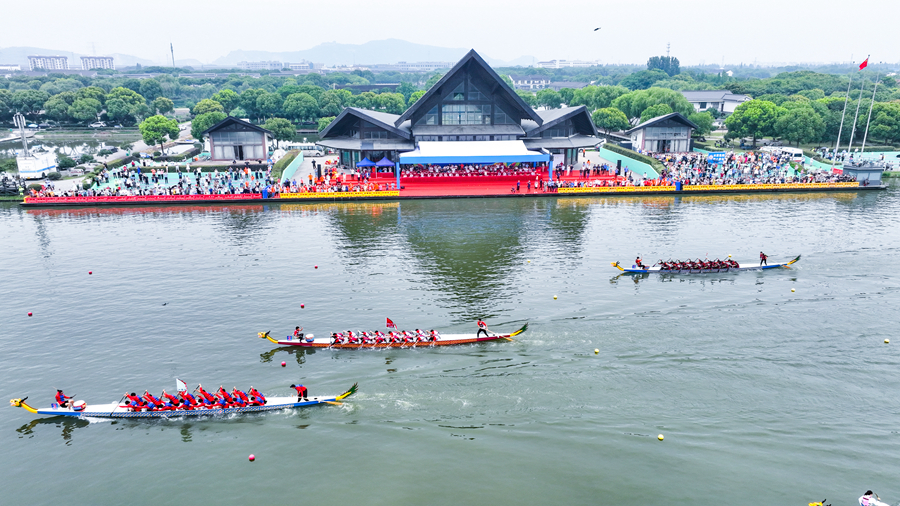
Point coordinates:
[(729, 256), (302, 306), (283, 364), (529, 261), (793, 290), (887, 341), (596, 351), (90, 272), (660, 437), (252, 457), (317, 267), (554, 297), (29, 314)]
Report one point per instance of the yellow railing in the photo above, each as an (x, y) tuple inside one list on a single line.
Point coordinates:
[(339, 195), (696, 188)]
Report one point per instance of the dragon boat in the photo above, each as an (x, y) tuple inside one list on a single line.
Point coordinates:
[(117, 410), (310, 341), (660, 269)]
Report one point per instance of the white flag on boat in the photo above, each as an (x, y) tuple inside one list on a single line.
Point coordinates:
[(182, 386)]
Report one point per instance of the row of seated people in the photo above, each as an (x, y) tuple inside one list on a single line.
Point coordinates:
[(188, 401), (678, 265), (378, 337)]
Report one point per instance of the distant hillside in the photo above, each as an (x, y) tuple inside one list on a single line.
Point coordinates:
[(376, 51), (20, 55)]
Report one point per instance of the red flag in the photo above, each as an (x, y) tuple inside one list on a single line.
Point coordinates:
[(864, 64), (389, 324)]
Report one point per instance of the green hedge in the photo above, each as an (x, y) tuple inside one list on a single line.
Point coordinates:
[(634, 155), (280, 165)]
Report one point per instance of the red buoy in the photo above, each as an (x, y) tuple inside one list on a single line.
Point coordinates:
[(29, 314), (317, 267), (90, 272), (302, 306), (283, 364), (252, 457)]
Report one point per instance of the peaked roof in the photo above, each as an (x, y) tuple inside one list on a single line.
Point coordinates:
[(383, 119), (554, 117), (712, 95), (231, 119), (676, 116), (474, 57)]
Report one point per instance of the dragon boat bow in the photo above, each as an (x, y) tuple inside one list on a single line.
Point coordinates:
[(444, 340), (660, 269), (117, 410)]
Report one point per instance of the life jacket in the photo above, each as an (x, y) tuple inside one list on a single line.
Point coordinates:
[(225, 395), (255, 393), (241, 394), (301, 390), (61, 398), (172, 398), (208, 397), (135, 402)]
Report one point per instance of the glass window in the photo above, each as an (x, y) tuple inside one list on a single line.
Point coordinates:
[(474, 94), (466, 114), (430, 117), (459, 93), (501, 118)]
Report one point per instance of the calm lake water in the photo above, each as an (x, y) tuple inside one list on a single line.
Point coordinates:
[(764, 396)]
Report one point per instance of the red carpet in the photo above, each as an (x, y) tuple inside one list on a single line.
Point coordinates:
[(478, 185)]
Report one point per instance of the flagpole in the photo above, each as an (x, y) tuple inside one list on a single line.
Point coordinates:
[(858, 103), (841, 128), (863, 150)]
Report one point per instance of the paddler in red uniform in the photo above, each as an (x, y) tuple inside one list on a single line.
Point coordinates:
[(256, 398), (224, 395), (762, 258), (63, 400), (301, 392), (208, 398), (482, 327)]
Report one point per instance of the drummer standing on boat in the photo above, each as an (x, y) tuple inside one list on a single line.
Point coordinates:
[(762, 258)]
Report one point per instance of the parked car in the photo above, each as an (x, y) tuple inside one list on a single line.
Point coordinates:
[(33, 125), (76, 172), (98, 124), (44, 125)]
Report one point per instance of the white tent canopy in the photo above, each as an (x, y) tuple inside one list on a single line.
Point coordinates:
[(460, 152)]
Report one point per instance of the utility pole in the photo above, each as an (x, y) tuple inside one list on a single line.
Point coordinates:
[(173, 54)]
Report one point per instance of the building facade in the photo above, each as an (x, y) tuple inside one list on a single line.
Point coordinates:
[(10, 67), (562, 64), (530, 82), (470, 103), (304, 65), (97, 62), (48, 62), (235, 139), (260, 65), (670, 133), (723, 101)]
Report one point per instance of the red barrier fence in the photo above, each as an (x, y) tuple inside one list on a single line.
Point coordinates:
[(141, 198)]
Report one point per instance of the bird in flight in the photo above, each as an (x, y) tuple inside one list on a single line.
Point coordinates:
[(595, 29)]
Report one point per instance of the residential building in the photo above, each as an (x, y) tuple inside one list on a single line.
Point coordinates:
[(48, 62), (260, 65), (10, 66), (530, 82), (304, 65), (670, 133), (97, 62), (723, 101), (235, 139), (470, 105), (561, 64)]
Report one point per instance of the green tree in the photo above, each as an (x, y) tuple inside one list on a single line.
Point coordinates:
[(301, 107), (668, 64), (704, 122), (433, 80), (324, 122), (238, 112), (330, 103), (207, 105), (156, 129), (270, 103), (228, 98), (125, 105), (163, 105), (282, 129), (94, 92), (549, 98), (610, 119), (414, 98), (886, 122), (248, 101), (528, 97), (202, 122), (567, 95), (85, 110), (800, 124), (392, 103), (508, 80), (643, 79), (755, 118), (655, 111), (64, 161), (58, 106), (151, 89), (29, 102), (634, 103), (406, 89), (597, 97)]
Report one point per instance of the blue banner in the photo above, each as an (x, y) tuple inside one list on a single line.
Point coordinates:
[(716, 156)]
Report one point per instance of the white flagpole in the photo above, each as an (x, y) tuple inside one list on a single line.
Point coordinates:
[(841, 128), (863, 150), (858, 103)]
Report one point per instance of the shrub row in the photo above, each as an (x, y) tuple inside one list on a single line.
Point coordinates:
[(634, 155), (280, 165)]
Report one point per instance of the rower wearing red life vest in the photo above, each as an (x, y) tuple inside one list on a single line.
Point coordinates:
[(762, 258), (434, 336), (174, 400), (301, 392), (134, 402), (206, 397), (188, 401), (298, 332), (152, 401), (256, 398), (639, 262), (63, 400), (482, 327), (224, 395), (239, 394)]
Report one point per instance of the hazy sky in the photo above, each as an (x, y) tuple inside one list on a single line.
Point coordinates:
[(699, 30)]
